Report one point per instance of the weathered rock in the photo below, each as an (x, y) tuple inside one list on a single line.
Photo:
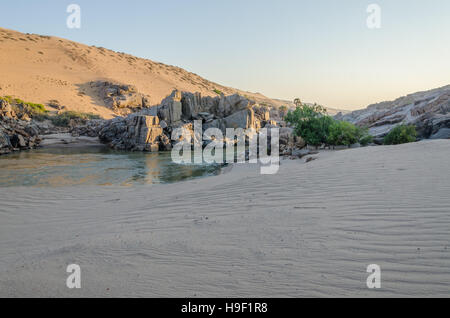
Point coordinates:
[(165, 143), (443, 133), (222, 112), (134, 133), (288, 139), (6, 110), (191, 104), (429, 111), (300, 153), (121, 98), (163, 124), (171, 108), (5, 142), (17, 135), (241, 119)]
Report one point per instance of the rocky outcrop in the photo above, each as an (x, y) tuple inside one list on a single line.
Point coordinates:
[(154, 126), (428, 111), (120, 98), (133, 133), (16, 134), (242, 119), (171, 108), (192, 106)]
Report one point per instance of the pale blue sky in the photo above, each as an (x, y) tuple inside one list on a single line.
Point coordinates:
[(320, 51)]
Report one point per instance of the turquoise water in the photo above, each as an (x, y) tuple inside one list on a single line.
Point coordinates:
[(54, 167)]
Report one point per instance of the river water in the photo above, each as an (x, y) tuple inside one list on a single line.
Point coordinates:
[(54, 167)]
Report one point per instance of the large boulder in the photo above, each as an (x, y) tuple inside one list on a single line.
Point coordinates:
[(191, 105), (171, 108), (241, 119), (229, 105), (134, 133)]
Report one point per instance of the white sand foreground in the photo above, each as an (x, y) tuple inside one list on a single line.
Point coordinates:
[(310, 230)]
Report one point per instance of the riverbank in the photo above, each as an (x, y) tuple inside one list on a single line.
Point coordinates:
[(310, 230), (66, 140)]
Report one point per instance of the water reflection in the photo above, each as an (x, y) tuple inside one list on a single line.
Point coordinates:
[(94, 166)]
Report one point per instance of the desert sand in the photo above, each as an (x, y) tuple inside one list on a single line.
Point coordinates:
[(41, 69), (310, 230)]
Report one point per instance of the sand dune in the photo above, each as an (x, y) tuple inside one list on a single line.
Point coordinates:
[(310, 230), (40, 69)]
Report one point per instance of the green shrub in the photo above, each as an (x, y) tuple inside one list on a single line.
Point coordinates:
[(311, 123), (401, 135), (343, 133), (366, 139), (218, 92)]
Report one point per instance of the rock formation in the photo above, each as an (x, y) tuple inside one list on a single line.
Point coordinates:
[(153, 126), (429, 111), (133, 133), (16, 134), (123, 99)]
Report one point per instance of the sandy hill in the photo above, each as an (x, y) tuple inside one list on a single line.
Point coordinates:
[(42, 69)]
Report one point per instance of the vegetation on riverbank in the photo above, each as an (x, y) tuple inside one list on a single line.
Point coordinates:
[(38, 112), (316, 127)]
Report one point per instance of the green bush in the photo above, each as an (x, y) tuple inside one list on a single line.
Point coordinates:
[(315, 127), (401, 135), (218, 92), (311, 123), (366, 139), (342, 133)]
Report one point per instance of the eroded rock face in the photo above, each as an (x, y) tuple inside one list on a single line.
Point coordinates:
[(134, 133), (120, 98), (180, 110), (16, 134), (428, 111), (171, 108), (190, 106)]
